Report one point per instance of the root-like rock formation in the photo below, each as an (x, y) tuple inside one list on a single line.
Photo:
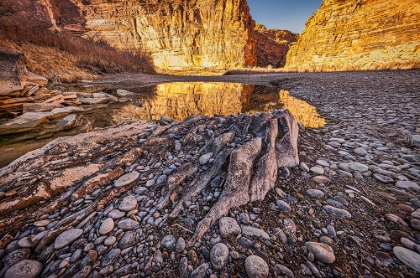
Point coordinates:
[(76, 182)]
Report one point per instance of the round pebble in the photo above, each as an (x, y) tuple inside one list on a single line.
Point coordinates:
[(106, 226), (219, 256), (256, 267), (322, 252), (128, 203)]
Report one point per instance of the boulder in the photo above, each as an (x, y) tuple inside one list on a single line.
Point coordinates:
[(13, 73)]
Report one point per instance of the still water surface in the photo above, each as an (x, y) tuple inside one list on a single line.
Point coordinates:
[(178, 101)]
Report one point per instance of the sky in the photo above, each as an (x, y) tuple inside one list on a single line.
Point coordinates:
[(283, 14)]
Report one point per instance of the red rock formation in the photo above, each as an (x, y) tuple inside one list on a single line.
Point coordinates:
[(359, 35), (179, 35), (272, 45)]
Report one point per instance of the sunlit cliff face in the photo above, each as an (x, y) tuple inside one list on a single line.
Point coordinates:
[(359, 35), (179, 35), (181, 99)]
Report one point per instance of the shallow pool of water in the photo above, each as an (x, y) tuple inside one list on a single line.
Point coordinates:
[(176, 100)]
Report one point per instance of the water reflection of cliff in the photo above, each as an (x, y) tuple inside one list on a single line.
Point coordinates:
[(181, 99), (301, 110)]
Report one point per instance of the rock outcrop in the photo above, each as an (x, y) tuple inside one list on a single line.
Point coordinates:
[(180, 35), (245, 151), (272, 45), (13, 72), (359, 35)]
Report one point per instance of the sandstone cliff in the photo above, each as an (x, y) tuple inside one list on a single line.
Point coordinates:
[(272, 45), (179, 35), (359, 35)]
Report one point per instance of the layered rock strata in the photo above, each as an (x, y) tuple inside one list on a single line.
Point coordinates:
[(13, 73), (179, 35), (272, 45), (359, 35)]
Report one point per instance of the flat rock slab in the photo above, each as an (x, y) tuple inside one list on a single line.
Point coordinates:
[(127, 179), (408, 185), (24, 122), (408, 257), (37, 79), (67, 237), (251, 231), (24, 269)]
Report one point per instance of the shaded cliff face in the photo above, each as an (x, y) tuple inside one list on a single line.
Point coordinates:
[(272, 45), (359, 35), (179, 35)]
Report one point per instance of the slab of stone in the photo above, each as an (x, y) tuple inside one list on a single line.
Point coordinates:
[(356, 166), (58, 112), (322, 252), (408, 185), (251, 231), (322, 162), (127, 179), (13, 73), (24, 269), (228, 226), (24, 122), (256, 267), (317, 170), (67, 237), (36, 79), (94, 101), (40, 107), (125, 93), (408, 257)]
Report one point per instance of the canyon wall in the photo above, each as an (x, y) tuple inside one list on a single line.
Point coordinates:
[(359, 35), (191, 35), (272, 45)]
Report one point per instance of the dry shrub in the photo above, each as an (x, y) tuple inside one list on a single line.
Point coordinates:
[(65, 54)]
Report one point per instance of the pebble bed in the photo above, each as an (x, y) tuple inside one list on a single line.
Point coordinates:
[(351, 208)]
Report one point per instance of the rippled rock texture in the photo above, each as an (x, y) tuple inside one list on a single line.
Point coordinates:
[(359, 35), (183, 159)]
